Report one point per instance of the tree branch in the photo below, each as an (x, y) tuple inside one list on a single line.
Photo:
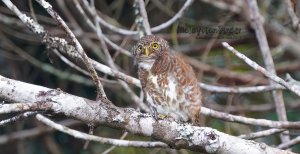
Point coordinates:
[(88, 137), (100, 91), (257, 24), (255, 66), (176, 135)]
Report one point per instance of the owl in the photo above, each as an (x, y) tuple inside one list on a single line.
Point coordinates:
[(169, 84)]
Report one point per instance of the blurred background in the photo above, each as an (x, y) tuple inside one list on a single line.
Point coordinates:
[(197, 36)]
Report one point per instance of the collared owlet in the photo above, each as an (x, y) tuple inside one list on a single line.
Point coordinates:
[(169, 84)]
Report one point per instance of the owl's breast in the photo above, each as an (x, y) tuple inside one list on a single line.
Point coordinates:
[(146, 65), (163, 93)]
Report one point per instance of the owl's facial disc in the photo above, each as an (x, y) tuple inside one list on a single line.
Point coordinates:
[(149, 51), (149, 48)]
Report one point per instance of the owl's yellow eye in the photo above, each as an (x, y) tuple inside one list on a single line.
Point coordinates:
[(154, 45), (139, 48)]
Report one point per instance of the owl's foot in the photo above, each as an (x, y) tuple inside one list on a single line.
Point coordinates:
[(161, 116)]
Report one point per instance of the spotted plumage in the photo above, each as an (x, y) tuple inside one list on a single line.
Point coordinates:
[(169, 84)]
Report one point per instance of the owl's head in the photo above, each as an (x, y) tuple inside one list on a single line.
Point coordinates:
[(150, 47)]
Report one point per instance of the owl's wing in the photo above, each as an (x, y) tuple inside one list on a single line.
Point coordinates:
[(188, 85), (143, 75)]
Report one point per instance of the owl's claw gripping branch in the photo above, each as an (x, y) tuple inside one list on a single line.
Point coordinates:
[(161, 116)]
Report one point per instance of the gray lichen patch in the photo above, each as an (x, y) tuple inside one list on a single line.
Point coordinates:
[(118, 119)]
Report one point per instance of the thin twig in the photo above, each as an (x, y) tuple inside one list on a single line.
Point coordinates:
[(71, 64), (291, 11), (224, 73), (268, 74), (33, 25), (290, 143), (84, 136), (174, 18), (100, 91), (107, 40), (43, 66), (257, 25), (249, 121), (260, 134), (235, 6), (17, 118), (154, 29), (240, 90), (30, 133), (110, 60), (263, 107), (143, 13), (113, 147), (32, 13)]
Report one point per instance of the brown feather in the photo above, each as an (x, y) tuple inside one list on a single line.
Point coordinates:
[(169, 84)]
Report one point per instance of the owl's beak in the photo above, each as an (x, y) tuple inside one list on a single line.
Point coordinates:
[(147, 52)]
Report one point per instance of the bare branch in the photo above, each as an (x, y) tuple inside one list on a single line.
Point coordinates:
[(113, 147), (142, 11), (17, 118), (264, 107), (235, 7), (249, 121), (174, 18), (61, 45), (44, 66), (84, 136), (30, 23), (154, 29), (257, 24), (255, 66), (202, 139), (100, 91), (110, 60), (263, 133), (291, 11), (254, 89), (290, 143), (30, 133)]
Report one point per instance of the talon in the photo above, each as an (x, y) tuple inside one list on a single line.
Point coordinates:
[(161, 116)]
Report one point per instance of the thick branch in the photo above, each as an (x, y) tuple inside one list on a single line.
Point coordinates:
[(174, 134)]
